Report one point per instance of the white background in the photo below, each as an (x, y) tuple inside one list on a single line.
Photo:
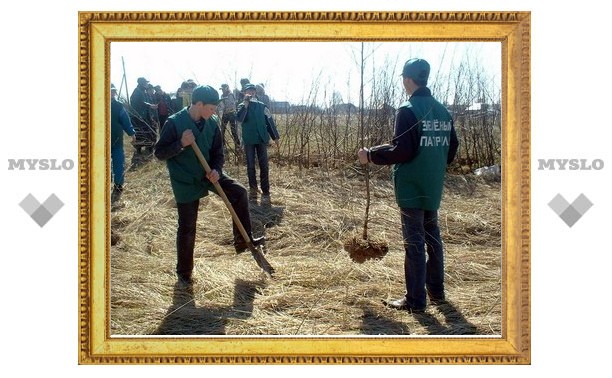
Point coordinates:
[(570, 79)]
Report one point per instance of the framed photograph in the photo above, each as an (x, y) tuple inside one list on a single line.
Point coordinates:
[(332, 84)]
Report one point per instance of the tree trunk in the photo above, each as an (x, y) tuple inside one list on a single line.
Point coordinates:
[(366, 166)]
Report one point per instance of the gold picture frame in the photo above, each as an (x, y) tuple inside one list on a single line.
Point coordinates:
[(98, 29)]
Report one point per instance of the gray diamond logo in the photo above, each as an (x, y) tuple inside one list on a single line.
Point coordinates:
[(41, 213), (570, 213)]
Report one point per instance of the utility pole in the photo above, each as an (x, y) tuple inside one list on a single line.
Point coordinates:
[(124, 82)]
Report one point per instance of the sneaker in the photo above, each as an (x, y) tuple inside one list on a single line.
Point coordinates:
[(242, 246), (400, 304)]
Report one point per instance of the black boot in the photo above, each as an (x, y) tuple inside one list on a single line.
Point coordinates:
[(117, 191), (241, 245)]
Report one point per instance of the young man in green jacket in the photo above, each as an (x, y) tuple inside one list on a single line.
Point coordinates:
[(257, 129), (424, 143), (198, 123)]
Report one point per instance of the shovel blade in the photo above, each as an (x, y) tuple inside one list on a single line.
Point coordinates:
[(260, 259)]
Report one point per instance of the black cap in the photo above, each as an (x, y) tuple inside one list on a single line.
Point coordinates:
[(206, 94), (416, 69)]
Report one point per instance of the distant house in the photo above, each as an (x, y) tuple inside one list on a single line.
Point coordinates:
[(482, 108), (477, 107), (384, 110), (344, 108), (311, 109), (279, 107)]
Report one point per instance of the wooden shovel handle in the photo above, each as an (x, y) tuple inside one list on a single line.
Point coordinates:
[(221, 193), (257, 254)]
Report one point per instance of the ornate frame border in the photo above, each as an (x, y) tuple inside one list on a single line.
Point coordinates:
[(98, 29)]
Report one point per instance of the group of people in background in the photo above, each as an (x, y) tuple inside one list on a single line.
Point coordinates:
[(197, 115), (150, 107)]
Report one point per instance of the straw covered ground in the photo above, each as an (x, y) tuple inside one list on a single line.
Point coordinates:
[(317, 289)]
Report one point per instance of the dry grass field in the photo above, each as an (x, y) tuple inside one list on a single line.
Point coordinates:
[(317, 289)]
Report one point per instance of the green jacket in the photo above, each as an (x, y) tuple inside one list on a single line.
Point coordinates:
[(257, 126), (419, 182), (187, 175)]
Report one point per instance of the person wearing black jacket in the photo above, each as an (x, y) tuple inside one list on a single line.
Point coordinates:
[(142, 118), (164, 105), (424, 143)]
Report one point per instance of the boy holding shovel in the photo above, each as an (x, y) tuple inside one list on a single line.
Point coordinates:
[(197, 123)]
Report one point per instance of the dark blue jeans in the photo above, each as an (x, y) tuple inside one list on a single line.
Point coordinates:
[(117, 163), (261, 150), (422, 234), (188, 216)]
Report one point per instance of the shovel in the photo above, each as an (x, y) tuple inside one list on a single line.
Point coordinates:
[(255, 251)]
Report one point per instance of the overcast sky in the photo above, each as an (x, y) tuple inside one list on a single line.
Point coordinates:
[(287, 69)]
